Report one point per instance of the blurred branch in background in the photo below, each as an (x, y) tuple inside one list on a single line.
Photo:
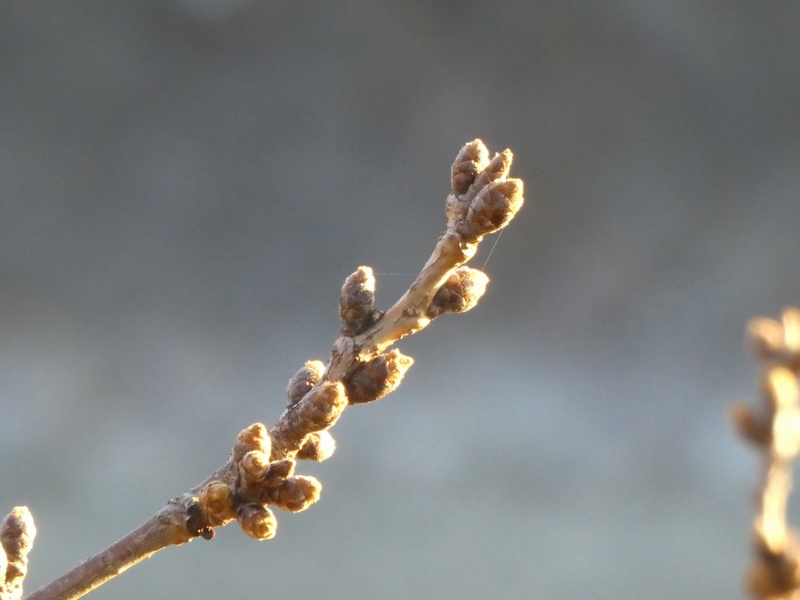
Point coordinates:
[(774, 428), (260, 472)]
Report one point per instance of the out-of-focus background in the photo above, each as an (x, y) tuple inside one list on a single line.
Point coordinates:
[(184, 184)]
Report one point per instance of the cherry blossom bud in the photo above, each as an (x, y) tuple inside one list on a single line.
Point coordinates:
[(377, 377), (356, 301)]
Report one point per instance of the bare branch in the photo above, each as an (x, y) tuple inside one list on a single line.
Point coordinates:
[(260, 471)]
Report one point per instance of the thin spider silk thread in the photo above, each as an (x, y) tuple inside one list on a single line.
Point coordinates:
[(483, 268), (497, 239)]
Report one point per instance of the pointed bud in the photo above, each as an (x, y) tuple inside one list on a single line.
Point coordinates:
[(356, 301), (470, 160), (460, 292), (257, 521), (317, 447), (492, 209), (295, 494), (254, 437), (376, 378), (304, 380), (497, 169), (216, 500)]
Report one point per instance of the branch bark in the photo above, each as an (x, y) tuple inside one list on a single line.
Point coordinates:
[(260, 472)]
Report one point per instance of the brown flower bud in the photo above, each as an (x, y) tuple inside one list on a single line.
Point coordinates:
[(497, 168), (278, 472), (375, 378), (752, 428), (317, 447), (254, 437), (492, 209), (470, 160), (322, 406), (304, 380), (17, 532), (318, 410), (460, 292), (295, 494), (356, 301), (774, 574), (257, 521), (253, 466), (216, 500)]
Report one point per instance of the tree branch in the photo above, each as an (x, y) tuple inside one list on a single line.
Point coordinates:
[(775, 432), (260, 471)]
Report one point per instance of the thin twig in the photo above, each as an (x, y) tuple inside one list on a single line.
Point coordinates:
[(260, 471)]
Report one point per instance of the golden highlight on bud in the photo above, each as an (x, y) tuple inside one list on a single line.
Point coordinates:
[(257, 521), (460, 292), (255, 437), (317, 446), (497, 169), (302, 381), (470, 160), (356, 301), (253, 466), (374, 379), (216, 499)]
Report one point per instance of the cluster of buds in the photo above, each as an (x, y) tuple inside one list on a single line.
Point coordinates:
[(261, 472), (774, 429), (484, 199), (17, 532), (254, 483)]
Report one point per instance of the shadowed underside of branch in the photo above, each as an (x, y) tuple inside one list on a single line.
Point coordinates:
[(260, 473)]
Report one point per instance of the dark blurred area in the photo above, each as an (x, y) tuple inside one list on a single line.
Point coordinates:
[(185, 184)]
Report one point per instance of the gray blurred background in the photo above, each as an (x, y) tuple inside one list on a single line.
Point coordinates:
[(184, 185)]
